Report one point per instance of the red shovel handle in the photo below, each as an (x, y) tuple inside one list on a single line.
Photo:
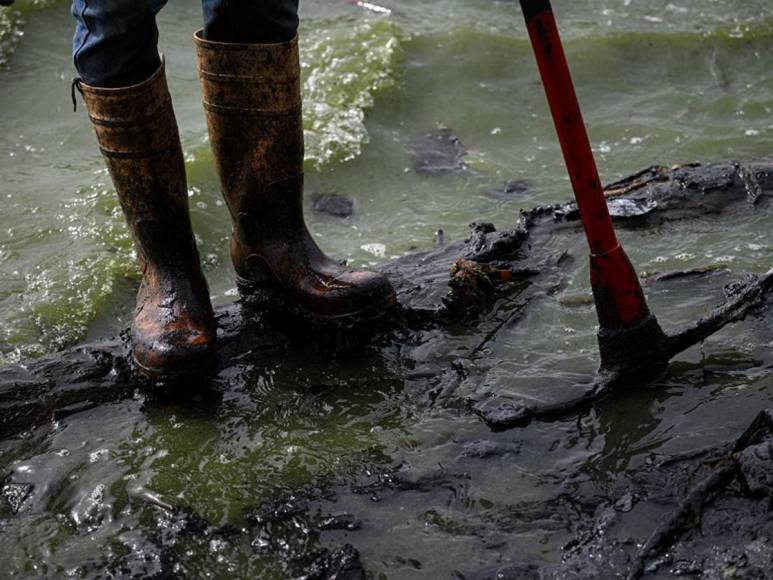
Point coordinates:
[(570, 126), (620, 302)]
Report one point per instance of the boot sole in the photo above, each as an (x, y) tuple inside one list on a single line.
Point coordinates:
[(161, 375)]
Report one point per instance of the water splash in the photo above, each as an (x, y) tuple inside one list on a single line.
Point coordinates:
[(10, 32), (11, 23), (62, 295), (342, 75)]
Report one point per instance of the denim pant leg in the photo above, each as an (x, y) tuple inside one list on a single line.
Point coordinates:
[(250, 21), (116, 41)]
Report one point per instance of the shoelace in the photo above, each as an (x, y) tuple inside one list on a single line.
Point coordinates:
[(76, 86)]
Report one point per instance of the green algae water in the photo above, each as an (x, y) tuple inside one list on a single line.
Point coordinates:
[(660, 82)]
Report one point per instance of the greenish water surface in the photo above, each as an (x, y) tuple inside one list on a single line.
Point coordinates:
[(661, 82)]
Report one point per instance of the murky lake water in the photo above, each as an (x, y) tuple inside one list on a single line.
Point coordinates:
[(661, 82)]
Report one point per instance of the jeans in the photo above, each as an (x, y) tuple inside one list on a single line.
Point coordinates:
[(116, 41)]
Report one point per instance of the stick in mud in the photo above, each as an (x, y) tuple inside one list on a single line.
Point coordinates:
[(688, 515)]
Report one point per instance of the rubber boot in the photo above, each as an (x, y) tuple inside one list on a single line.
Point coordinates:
[(252, 99), (173, 332)]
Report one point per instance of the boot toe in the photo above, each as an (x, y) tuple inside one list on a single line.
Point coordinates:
[(353, 293), (170, 355)]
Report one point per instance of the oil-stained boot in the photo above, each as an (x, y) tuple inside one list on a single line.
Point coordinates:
[(252, 98), (173, 333)]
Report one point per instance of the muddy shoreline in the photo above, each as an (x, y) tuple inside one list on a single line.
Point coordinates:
[(706, 512), (456, 283)]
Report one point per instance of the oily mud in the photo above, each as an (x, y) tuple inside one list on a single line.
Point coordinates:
[(469, 282), (439, 152), (706, 510), (333, 204)]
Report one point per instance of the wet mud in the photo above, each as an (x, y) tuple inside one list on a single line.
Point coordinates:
[(333, 204), (458, 283), (706, 512), (439, 152), (512, 188), (715, 520)]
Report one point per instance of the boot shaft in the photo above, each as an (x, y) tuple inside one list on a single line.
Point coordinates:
[(252, 98), (137, 133), (134, 122)]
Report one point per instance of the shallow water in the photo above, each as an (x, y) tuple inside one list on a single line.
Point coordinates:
[(660, 83)]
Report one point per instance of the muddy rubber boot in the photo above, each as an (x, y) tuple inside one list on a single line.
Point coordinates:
[(252, 98), (173, 333)]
